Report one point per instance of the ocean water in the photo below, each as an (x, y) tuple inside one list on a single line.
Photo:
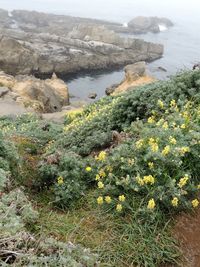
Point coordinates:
[(181, 42)]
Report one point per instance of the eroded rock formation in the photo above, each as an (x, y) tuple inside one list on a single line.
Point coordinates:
[(38, 43), (48, 95), (135, 75)]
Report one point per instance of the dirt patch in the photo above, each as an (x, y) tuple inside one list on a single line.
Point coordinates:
[(187, 232)]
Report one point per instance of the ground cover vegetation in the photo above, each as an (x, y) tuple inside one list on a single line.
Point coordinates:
[(118, 198)]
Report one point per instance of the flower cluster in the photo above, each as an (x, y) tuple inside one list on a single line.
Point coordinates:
[(154, 166)]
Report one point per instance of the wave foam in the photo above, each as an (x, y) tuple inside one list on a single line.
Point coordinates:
[(162, 27)]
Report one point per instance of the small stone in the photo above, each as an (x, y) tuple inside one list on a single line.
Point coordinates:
[(111, 89), (162, 69), (92, 95)]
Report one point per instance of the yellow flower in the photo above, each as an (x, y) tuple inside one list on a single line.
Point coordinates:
[(102, 173), (151, 204), (154, 147), (119, 207), (151, 165), (152, 141), (183, 181), (198, 186), (97, 177), (195, 203), (88, 169), (151, 120), (183, 126), (101, 156), (100, 200), (122, 198), (60, 180), (139, 180), (174, 202), (165, 125), (172, 103), (184, 150), (149, 179), (185, 115), (153, 144), (108, 199), (166, 151), (139, 143), (172, 140), (100, 185), (160, 104)]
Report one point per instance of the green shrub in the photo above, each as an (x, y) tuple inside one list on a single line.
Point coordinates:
[(67, 178), (30, 126), (92, 128), (159, 163)]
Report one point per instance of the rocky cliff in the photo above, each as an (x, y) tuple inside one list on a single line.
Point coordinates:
[(38, 43), (21, 92), (143, 24)]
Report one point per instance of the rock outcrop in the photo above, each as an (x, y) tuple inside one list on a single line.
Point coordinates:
[(110, 90), (135, 71), (5, 20), (135, 75), (40, 95), (42, 44), (142, 24)]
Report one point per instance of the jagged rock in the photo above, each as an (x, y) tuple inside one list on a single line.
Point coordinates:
[(60, 44), (5, 20), (95, 33), (196, 66), (13, 95), (134, 71), (135, 75), (42, 95), (3, 91), (111, 88), (16, 58), (92, 95), (6, 80), (47, 96), (142, 24)]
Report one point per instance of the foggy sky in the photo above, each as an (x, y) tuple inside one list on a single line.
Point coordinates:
[(103, 8)]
